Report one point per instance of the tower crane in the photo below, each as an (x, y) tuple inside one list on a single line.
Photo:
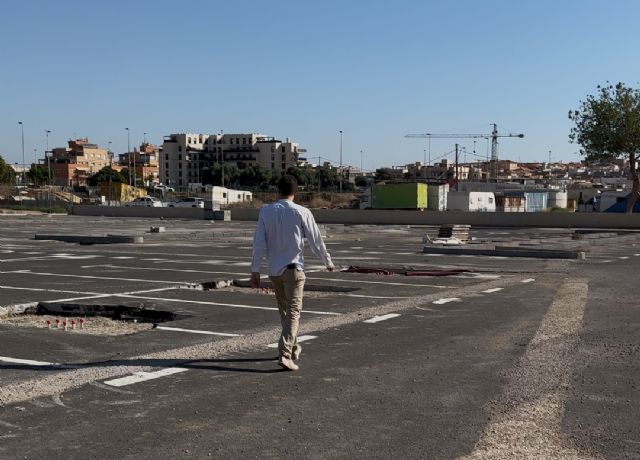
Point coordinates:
[(494, 135)]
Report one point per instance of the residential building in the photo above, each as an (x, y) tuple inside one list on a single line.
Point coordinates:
[(73, 165), (144, 161), (186, 155)]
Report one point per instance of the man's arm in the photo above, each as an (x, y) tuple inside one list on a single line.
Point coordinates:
[(312, 232), (259, 248)]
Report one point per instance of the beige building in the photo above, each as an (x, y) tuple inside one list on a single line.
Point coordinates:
[(185, 155), (72, 165)]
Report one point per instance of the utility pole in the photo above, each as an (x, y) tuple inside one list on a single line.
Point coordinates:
[(340, 161), (129, 155), (456, 176), (110, 153), (222, 157), (23, 176)]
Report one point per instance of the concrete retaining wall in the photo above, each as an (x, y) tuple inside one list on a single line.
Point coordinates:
[(480, 219), (138, 211), (386, 217)]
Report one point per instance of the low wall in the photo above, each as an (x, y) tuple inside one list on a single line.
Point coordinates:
[(387, 217), (138, 211), (481, 219)]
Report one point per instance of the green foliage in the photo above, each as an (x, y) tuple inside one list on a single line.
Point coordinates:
[(106, 172), (383, 174), (607, 125), (38, 175), (7, 174)]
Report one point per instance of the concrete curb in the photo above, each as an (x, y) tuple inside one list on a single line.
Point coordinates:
[(504, 251), (91, 239)]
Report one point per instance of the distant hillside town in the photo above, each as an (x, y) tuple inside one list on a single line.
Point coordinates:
[(193, 163)]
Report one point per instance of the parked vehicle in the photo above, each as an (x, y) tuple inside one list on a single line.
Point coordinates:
[(163, 189), (147, 201), (189, 202)]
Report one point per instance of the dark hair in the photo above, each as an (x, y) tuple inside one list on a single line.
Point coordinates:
[(287, 185)]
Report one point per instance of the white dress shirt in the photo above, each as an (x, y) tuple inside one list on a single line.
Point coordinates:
[(282, 227)]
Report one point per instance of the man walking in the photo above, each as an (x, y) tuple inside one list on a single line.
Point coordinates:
[(280, 231)]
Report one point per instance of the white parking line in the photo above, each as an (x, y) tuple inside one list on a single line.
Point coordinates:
[(301, 338), (29, 272), (446, 300), (195, 331), (158, 269), (200, 302), (26, 361), (144, 376), (379, 282), (489, 291), (528, 280), (606, 261), (624, 257), (377, 319)]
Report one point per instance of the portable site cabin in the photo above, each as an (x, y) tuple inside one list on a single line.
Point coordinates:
[(557, 199), (510, 202), (471, 201), (611, 201), (399, 196), (535, 201), (437, 197)]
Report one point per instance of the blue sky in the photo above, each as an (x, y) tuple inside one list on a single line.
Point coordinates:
[(305, 70)]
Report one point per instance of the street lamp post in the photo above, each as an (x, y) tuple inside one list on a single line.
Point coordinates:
[(110, 153), (129, 155), (47, 156), (340, 161), (222, 157), (361, 162), (22, 131)]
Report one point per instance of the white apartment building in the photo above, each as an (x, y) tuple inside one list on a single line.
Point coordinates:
[(185, 155)]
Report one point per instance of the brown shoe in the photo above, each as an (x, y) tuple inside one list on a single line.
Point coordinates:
[(297, 351), (288, 364)]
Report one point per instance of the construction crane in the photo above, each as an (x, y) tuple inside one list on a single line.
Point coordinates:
[(494, 135)]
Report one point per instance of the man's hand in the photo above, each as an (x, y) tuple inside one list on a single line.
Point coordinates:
[(331, 268), (255, 280)]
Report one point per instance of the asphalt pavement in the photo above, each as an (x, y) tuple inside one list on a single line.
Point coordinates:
[(499, 358)]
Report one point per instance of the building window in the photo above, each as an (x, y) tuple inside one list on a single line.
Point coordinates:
[(179, 173), (179, 165), (273, 166), (179, 148), (273, 157), (244, 140), (284, 157), (284, 166), (179, 157), (283, 149), (166, 157), (231, 140), (166, 166), (238, 140), (188, 140)]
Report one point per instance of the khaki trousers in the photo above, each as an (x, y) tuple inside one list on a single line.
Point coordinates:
[(289, 288)]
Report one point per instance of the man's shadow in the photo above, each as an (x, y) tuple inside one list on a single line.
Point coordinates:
[(213, 364)]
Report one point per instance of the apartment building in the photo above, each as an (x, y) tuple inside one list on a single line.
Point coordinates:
[(71, 166), (185, 155), (144, 161)]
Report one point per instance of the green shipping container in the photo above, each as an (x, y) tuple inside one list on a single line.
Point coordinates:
[(399, 196)]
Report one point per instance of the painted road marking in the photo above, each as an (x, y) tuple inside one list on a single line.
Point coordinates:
[(528, 280), (377, 319), (231, 305), (489, 291), (624, 257), (158, 269), (29, 272), (378, 282), (30, 362), (446, 300), (195, 331), (26, 361), (144, 376), (636, 255), (301, 338), (123, 257), (527, 418)]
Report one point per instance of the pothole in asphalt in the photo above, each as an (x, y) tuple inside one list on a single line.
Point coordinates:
[(95, 319)]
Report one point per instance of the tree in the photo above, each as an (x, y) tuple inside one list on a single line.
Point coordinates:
[(7, 174), (607, 126), (383, 174), (38, 174), (103, 176)]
